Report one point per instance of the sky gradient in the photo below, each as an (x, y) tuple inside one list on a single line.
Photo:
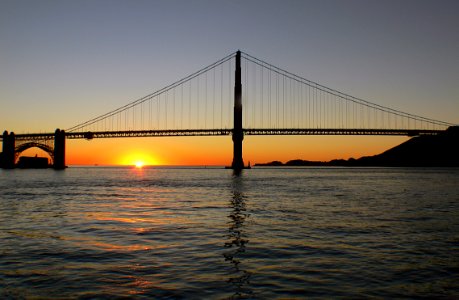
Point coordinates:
[(64, 62)]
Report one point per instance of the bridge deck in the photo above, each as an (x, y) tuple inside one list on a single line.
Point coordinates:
[(222, 132)]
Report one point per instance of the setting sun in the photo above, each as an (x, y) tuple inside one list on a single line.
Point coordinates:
[(138, 159)]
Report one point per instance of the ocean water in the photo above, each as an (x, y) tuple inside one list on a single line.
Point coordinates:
[(184, 233)]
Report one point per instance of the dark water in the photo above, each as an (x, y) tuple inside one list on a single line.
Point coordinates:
[(202, 233)]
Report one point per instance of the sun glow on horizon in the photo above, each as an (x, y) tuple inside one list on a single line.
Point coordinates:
[(210, 151), (138, 160)]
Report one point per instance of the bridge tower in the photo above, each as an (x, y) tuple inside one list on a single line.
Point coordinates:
[(238, 134), (59, 149), (9, 144)]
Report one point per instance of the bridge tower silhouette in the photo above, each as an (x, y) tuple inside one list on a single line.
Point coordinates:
[(267, 100), (59, 150), (238, 134), (8, 157)]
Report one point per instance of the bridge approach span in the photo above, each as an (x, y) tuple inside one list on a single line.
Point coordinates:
[(224, 132)]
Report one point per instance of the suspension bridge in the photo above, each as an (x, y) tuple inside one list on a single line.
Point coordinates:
[(210, 102)]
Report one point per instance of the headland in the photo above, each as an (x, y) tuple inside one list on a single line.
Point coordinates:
[(440, 150)]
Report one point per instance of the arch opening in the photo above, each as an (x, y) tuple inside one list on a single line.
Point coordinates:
[(34, 162)]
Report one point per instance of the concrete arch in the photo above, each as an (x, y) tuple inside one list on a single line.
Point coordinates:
[(21, 148)]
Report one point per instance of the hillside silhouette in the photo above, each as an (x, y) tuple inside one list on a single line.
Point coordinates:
[(440, 150)]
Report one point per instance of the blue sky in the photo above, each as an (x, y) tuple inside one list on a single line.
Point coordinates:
[(63, 62)]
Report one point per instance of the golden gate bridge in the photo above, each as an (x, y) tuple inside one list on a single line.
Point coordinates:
[(237, 95)]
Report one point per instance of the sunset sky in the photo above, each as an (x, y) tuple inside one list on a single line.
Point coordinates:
[(64, 62)]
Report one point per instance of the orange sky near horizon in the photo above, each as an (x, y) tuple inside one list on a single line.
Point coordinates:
[(209, 151)]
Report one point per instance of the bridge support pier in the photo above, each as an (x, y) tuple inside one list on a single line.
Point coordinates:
[(59, 150), (8, 158), (238, 134)]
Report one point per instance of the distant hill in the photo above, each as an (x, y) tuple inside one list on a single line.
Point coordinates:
[(423, 151)]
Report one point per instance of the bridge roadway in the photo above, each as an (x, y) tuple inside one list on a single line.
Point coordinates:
[(222, 132)]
